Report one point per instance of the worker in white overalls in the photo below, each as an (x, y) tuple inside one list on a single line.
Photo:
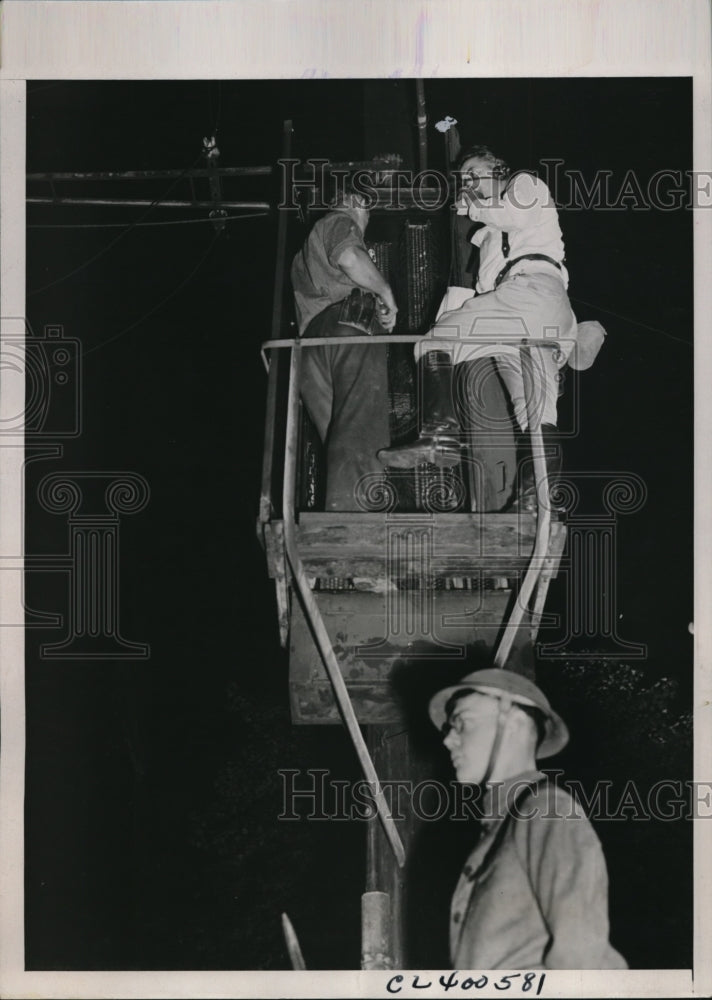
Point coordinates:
[(521, 292)]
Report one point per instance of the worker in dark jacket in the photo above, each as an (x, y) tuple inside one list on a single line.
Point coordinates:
[(344, 387), (534, 891)]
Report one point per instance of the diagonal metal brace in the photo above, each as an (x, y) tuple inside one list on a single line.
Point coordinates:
[(543, 522)]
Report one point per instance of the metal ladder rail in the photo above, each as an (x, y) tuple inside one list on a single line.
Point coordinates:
[(313, 614), (543, 524), (400, 338)]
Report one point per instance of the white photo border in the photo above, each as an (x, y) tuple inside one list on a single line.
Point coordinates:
[(282, 39)]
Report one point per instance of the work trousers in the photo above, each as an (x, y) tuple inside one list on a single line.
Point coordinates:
[(345, 391), (525, 305)]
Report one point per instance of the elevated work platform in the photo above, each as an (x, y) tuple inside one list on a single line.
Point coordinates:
[(399, 590), (373, 548), (426, 579)]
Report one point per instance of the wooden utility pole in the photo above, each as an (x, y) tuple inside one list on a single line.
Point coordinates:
[(383, 920)]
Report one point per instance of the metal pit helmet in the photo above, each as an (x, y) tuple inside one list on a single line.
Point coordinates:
[(509, 689)]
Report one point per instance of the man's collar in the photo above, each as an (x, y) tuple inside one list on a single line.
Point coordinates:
[(500, 795)]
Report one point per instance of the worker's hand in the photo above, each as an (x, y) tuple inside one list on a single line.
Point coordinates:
[(468, 198), (387, 312)]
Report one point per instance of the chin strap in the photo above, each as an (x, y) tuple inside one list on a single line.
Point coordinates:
[(505, 706)]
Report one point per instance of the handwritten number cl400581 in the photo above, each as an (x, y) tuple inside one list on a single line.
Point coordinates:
[(449, 982)]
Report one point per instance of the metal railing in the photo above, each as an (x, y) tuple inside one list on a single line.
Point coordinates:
[(299, 576)]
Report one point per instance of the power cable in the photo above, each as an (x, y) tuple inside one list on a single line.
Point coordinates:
[(45, 86), (112, 243), (627, 319), (181, 284), (216, 118), (165, 222)]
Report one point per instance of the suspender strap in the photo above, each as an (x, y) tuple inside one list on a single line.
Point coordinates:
[(499, 837), (505, 706), (505, 244), (505, 824), (525, 256)]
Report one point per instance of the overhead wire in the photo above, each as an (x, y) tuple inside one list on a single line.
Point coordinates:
[(38, 88), (635, 322), (120, 236), (216, 118), (181, 284), (139, 223), (163, 222)]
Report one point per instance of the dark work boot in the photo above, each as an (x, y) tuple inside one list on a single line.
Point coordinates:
[(438, 441), (525, 500)]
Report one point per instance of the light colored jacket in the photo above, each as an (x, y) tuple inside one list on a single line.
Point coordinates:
[(534, 892), (527, 213)]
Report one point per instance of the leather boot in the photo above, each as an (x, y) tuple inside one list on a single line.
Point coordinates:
[(525, 500), (438, 441)]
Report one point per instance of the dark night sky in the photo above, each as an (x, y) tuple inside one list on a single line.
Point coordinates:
[(151, 786)]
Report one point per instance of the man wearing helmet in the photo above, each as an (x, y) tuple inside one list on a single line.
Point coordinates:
[(534, 891)]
